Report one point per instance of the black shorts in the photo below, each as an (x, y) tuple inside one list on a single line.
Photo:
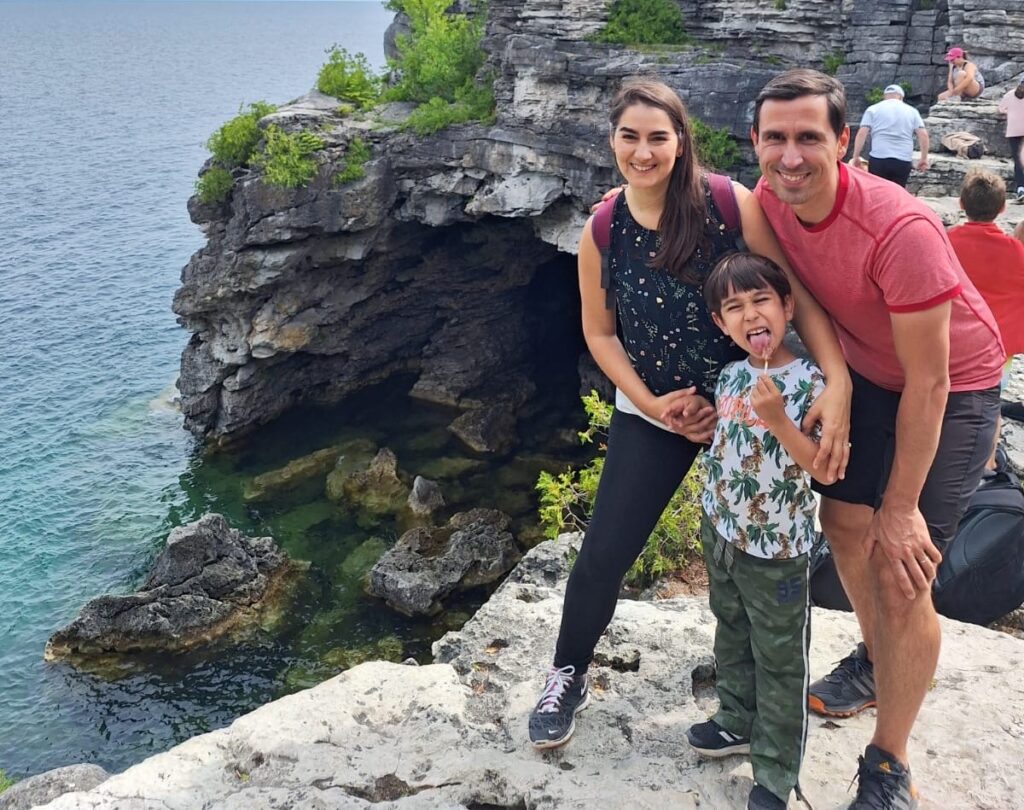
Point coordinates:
[(965, 444), (893, 169)]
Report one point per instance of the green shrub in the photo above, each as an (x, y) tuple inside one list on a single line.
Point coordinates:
[(643, 22), (286, 158), (356, 155), (475, 103), (780, 5), (567, 499), (214, 184), (233, 144), (715, 147), (5, 781), (440, 56), (349, 78), (832, 62)]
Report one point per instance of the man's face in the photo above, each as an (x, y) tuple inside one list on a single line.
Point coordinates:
[(798, 153)]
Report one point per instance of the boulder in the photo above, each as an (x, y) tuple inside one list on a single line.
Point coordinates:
[(453, 734), (292, 475), (46, 787), (427, 564), (486, 430), (376, 490), (425, 497), (209, 580)]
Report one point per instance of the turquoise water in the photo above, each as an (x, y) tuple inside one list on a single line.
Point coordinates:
[(104, 109)]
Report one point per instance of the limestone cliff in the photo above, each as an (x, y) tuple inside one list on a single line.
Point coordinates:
[(452, 259)]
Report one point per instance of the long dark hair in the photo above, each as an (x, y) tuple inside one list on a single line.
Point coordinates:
[(682, 223)]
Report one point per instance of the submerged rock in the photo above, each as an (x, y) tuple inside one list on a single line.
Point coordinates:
[(292, 475), (209, 580), (426, 565), (425, 497), (374, 490), (487, 430)]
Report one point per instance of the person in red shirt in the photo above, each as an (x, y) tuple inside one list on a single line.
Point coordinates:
[(995, 263)]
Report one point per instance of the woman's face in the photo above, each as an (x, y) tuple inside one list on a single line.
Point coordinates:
[(645, 145), (959, 62)]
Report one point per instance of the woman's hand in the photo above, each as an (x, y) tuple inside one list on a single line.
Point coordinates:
[(832, 410), (690, 415)]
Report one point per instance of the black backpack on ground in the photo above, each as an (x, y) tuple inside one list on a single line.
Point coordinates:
[(981, 577)]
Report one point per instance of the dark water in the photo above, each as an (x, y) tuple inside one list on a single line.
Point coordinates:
[(104, 109)]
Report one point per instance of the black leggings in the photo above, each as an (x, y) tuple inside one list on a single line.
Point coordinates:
[(643, 467), (1016, 141)]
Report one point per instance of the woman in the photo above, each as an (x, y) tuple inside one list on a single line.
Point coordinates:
[(1012, 106), (963, 80), (666, 236)]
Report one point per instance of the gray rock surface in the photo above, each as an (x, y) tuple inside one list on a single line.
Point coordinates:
[(46, 787), (376, 489), (427, 564), (453, 734), (209, 580), (297, 293), (425, 497)]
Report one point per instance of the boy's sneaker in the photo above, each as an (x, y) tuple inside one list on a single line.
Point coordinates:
[(761, 798), (882, 783), (711, 740), (847, 689), (553, 719)]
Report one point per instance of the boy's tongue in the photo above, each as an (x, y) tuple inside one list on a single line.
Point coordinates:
[(761, 344)]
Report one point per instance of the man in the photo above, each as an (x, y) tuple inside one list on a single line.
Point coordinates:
[(925, 359), (892, 126)]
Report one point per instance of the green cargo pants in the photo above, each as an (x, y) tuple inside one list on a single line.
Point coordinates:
[(761, 642)]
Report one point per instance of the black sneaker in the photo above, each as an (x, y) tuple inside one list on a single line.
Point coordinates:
[(711, 740), (553, 719), (882, 783), (761, 798), (847, 689), (1012, 410)]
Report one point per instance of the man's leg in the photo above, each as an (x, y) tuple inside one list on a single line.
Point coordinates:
[(845, 524)]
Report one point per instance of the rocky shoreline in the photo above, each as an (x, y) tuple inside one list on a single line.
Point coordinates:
[(453, 734)]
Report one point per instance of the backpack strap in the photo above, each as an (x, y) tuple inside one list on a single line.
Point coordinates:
[(724, 197), (601, 231)]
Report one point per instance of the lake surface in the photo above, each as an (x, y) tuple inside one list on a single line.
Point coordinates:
[(104, 110)]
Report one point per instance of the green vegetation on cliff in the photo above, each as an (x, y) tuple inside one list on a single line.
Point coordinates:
[(567, 499), (231, 146), (356, 155), (349, 78), (643, 22), (5, 781), (715, 147), (286, 158)]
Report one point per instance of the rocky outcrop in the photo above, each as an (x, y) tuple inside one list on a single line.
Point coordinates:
[(46, 787), (427, 564), (453, 734), (451, 259), (293, 475), (426, 496), (209, 580)]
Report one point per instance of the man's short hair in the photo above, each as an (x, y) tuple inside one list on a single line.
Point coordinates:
[(982, 195), (802, 82)]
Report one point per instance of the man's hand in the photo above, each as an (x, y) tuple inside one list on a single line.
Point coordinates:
[(922, 164), (857, 162), (832, 410), (766, 400), (902, 536), (690, 415), (613, 192)]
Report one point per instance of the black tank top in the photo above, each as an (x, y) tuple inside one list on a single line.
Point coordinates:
[(665, 326)]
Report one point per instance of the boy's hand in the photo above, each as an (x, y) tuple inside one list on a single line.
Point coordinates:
[(766, 400)]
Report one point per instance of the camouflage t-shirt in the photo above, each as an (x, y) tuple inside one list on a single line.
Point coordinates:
[(756, 496)]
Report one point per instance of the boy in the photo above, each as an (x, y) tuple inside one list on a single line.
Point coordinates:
[(757, 530), (995, 263)]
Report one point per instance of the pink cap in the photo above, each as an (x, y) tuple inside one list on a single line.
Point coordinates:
[(954, 53)]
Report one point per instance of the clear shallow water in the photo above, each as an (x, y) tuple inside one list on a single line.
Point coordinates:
[(104, 109)]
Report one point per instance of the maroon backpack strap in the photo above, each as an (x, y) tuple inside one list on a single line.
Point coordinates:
[(724, 196), (601, 231)]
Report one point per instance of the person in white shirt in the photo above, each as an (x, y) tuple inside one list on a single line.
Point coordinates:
[(1012, 106), (892, 126)]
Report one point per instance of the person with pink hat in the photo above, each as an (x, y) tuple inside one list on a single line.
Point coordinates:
[(963, 80)]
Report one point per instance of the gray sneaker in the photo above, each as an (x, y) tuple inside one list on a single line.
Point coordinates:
[(711, 740), (883, 783), (553, 719), (1020, 194), (847, 689)]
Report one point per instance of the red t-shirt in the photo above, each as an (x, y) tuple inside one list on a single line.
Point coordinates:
[(882, 251), (995, 263)]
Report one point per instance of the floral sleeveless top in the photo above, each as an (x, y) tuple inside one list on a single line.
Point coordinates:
[(664, 324)]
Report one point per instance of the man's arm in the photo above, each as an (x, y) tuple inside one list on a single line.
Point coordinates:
[(921, 340), (858, 144), (922, 144)]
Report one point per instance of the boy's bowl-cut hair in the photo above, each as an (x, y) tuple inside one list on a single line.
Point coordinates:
[(983, 195), (743, 272)]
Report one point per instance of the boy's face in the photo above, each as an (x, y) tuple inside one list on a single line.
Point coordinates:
[(755, 320)]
